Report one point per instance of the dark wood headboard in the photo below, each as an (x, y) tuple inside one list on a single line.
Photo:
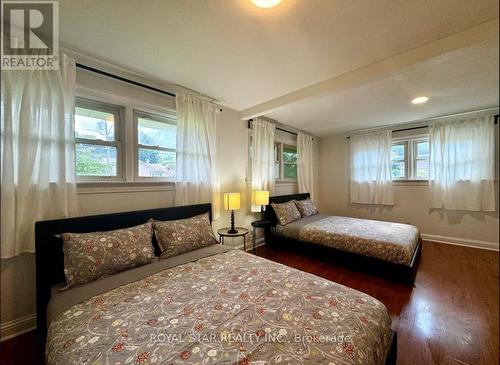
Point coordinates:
[(270, 215), (49, 248)]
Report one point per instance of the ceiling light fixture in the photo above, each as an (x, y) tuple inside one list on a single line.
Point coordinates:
[(420, 100), (266, 3)]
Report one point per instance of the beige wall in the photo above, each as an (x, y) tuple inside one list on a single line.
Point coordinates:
[(410, 203)]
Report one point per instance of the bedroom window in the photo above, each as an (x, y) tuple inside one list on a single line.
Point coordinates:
[(399, 160), (156, 138), (410, 158), (285, 162), (98, 147)]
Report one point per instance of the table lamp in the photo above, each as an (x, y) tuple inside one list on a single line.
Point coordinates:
[(261, 197), (232, 202)]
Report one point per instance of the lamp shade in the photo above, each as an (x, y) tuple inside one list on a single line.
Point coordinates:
[(232, 201), (261, 197)]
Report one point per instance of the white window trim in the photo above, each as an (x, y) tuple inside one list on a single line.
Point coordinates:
[(129, 105), (119, 113), (137, 146), (414, 158), (406, 159), (282, 179), (410, 153)]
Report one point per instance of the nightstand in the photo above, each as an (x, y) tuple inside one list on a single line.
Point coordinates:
[(242, 232), (260, 224)]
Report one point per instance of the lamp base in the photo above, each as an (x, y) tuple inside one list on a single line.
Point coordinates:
[(232, 230)]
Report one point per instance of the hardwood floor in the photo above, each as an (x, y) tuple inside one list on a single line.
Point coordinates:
[(450, 316)]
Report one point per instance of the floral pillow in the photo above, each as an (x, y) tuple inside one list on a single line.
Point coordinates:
[(306, 207), (91, 256), (286, 212), (183, 235)]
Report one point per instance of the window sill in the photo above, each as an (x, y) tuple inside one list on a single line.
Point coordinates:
[(410, 182), (123, 187), (285, 182)]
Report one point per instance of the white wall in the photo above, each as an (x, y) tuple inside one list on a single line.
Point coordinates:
[(475, 228), (18, 273)]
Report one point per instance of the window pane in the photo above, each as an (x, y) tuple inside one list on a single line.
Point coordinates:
[(289, 155), (398, 169), (398, 152), (93, 160), (153, 163), (290, 171), (423, 149), (156, 133), (422, 169), (94, 124)]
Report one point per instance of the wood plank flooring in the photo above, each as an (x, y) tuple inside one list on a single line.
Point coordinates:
[(450, 316)]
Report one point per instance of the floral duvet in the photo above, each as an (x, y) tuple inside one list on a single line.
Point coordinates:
[(229, 307)]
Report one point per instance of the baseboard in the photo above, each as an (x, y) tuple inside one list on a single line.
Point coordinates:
[(485, 245), (17, 327)]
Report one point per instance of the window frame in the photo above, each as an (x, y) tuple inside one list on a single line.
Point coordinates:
[(410, 156), (119, 113), (405, 160), (167, 119), (283, 163), (415, 142)]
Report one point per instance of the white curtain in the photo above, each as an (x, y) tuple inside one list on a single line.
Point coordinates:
[(371, 179), (197, 178), (462, 158), (263, 157), (305, 176), (37, 146)]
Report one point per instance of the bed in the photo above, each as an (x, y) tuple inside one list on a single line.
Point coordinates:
[(386, 248), (209, 305)]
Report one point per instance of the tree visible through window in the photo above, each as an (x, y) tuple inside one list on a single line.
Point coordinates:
[(101, 155), (97, 146), (285, 167), (156, 141), (410, 159)]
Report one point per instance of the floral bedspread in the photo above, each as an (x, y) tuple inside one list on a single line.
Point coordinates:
[(395, 242), (230, 308)]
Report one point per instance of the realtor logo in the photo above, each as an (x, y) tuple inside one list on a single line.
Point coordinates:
[(30, 38)]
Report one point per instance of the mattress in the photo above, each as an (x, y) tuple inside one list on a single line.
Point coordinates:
[(216, 305), (389, 241)]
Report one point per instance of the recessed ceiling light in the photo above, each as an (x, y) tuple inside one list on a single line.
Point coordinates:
[(266, 3), (420, 100)]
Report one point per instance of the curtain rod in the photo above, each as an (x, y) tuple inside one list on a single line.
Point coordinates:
[(425, 126), (104, 73), (278, 128)]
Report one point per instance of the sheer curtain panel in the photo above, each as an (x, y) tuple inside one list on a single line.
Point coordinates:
[(305, 176), (197, 179), (38, 155), (371, 179), (263, 158), (462, 164)]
